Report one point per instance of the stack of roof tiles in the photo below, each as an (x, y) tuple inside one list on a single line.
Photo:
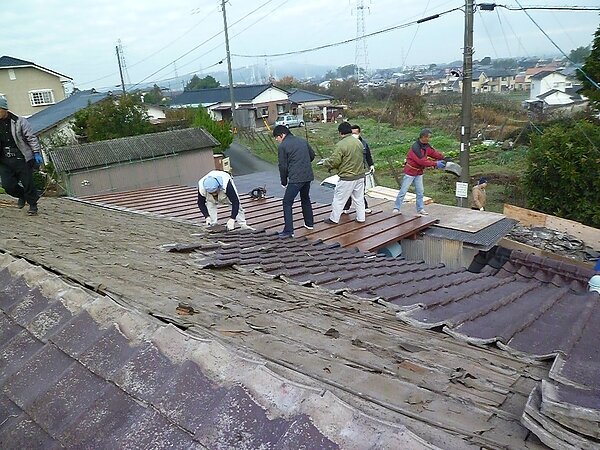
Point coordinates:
[(79, 371), (526, 304)]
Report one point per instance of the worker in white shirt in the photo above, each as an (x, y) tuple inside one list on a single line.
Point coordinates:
[(215, 188)]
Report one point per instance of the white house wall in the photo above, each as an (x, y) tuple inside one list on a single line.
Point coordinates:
[(549, 82), (271, 95), (558, 98)]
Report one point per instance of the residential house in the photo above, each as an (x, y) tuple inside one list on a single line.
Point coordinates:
[(157, 159), (312, 105), (555, 102), (480, 80), (30, 88), (500, 80), (53, 124), (520, 82), (546, 80), (256, 105)]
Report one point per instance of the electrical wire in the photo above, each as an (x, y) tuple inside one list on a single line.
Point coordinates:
[(557, 47), (154, 53), (503, 34), (200, 45), (488, 33), (347, 41)]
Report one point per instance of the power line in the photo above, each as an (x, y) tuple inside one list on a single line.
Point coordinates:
[(201, 44), (347, 41)]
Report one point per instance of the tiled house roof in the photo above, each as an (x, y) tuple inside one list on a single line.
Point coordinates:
[(54, 114), (112, 151), (79, 371)]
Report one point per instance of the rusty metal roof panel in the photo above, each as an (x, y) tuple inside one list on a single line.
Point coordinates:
[(379, 230)]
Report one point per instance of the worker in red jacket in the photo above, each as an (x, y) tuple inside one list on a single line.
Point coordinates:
[(420, 156)]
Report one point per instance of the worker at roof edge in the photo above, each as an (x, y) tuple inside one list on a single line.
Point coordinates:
[(217, 187), (19, 157), (420, 156)]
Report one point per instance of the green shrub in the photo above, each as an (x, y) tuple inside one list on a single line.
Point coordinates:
[(221, 131), (563, 173)]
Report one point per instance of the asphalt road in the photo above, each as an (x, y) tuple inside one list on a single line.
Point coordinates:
[(243, 162)]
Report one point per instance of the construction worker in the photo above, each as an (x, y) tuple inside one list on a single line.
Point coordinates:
[(215, 188), (479, 197)]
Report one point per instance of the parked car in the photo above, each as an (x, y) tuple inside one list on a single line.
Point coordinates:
[(290, 120)]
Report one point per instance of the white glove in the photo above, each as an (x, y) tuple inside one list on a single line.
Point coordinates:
[(208, 222), (321, 162), (481, 209), (230, 224), (372, 169)]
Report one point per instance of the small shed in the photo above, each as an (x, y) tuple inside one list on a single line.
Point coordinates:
[(178, 157)]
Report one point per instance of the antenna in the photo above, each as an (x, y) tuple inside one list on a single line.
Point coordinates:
[(361, 59)]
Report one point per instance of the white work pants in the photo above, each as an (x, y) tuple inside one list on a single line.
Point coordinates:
[(349, 189), (212, 211)]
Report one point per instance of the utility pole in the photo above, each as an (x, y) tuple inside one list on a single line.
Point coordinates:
[(229, 72), (462, 188), (120, 69)]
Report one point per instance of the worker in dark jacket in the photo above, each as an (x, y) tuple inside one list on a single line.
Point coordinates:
[(420, 156), (368, 161), (295, 156), (19, 157)]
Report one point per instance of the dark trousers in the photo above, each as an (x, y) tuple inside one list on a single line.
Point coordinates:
[(291, 191), (13, 170)]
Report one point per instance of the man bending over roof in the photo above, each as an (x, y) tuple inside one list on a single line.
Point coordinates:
[(217, 187)]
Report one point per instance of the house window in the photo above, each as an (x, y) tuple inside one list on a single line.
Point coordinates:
[(263, 112), (41, 98), (11, 74), (280, 109)]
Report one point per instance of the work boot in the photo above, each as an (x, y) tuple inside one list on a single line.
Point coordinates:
[(33, 210), (21, 203)]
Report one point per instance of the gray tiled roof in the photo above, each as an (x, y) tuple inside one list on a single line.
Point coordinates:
[(9, 61), (302, 95), (102, 153), (242, 94), (54, 114), (80, 371)]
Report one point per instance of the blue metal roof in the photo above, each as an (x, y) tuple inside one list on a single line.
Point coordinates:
[(53, 115)]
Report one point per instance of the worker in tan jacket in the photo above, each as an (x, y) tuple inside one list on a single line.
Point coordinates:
[(479, 197)]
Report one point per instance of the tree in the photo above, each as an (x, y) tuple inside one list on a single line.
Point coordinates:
[(196, 83), (154, 97), (288, 82), (563, 172), (112, 118), (579, 54), (221, 131), (346, 91), (346, 71), (591, 69), (486, 61)]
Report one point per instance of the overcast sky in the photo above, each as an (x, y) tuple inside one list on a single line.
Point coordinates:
[(161, 39)]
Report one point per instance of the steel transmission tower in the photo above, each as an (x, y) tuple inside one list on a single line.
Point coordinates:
[(361, 59)]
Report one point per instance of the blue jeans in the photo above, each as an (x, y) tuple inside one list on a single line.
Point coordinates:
[(406, 182), (291, 191)]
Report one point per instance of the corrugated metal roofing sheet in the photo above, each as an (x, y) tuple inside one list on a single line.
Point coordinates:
[(133, 148), (379, 230), (484, 239)]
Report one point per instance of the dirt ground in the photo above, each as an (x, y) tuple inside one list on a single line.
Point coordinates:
[(448, 393)]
